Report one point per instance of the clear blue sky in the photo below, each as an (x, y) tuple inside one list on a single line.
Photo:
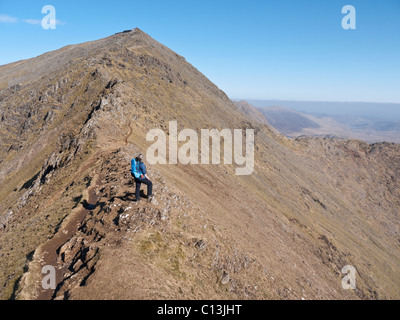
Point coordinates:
[(286, 49)]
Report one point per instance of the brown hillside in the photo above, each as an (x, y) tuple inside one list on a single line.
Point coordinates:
[(311, 206)]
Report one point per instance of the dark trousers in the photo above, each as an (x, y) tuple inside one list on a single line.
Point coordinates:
[(138, 185)]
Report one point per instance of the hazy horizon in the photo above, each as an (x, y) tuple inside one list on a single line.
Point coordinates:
[(376, 110)]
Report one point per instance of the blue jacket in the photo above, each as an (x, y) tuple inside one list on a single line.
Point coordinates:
[(142, 168)]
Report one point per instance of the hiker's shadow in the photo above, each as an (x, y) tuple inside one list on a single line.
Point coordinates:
[(89, 206), (130, 196)]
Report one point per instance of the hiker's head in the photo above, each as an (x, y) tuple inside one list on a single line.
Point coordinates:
[(140, 157)]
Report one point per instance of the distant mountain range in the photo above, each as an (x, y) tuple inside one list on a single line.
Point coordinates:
[(364, 121), (369, 110)]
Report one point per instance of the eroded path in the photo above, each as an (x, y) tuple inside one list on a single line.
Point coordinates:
[(51, 249), (50, 252)]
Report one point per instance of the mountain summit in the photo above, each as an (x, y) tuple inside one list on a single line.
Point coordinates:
[(72, 119)]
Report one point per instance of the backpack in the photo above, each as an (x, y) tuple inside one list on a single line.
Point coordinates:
[(135, 168)]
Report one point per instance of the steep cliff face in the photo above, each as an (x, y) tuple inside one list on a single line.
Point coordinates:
[(69, 131)]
